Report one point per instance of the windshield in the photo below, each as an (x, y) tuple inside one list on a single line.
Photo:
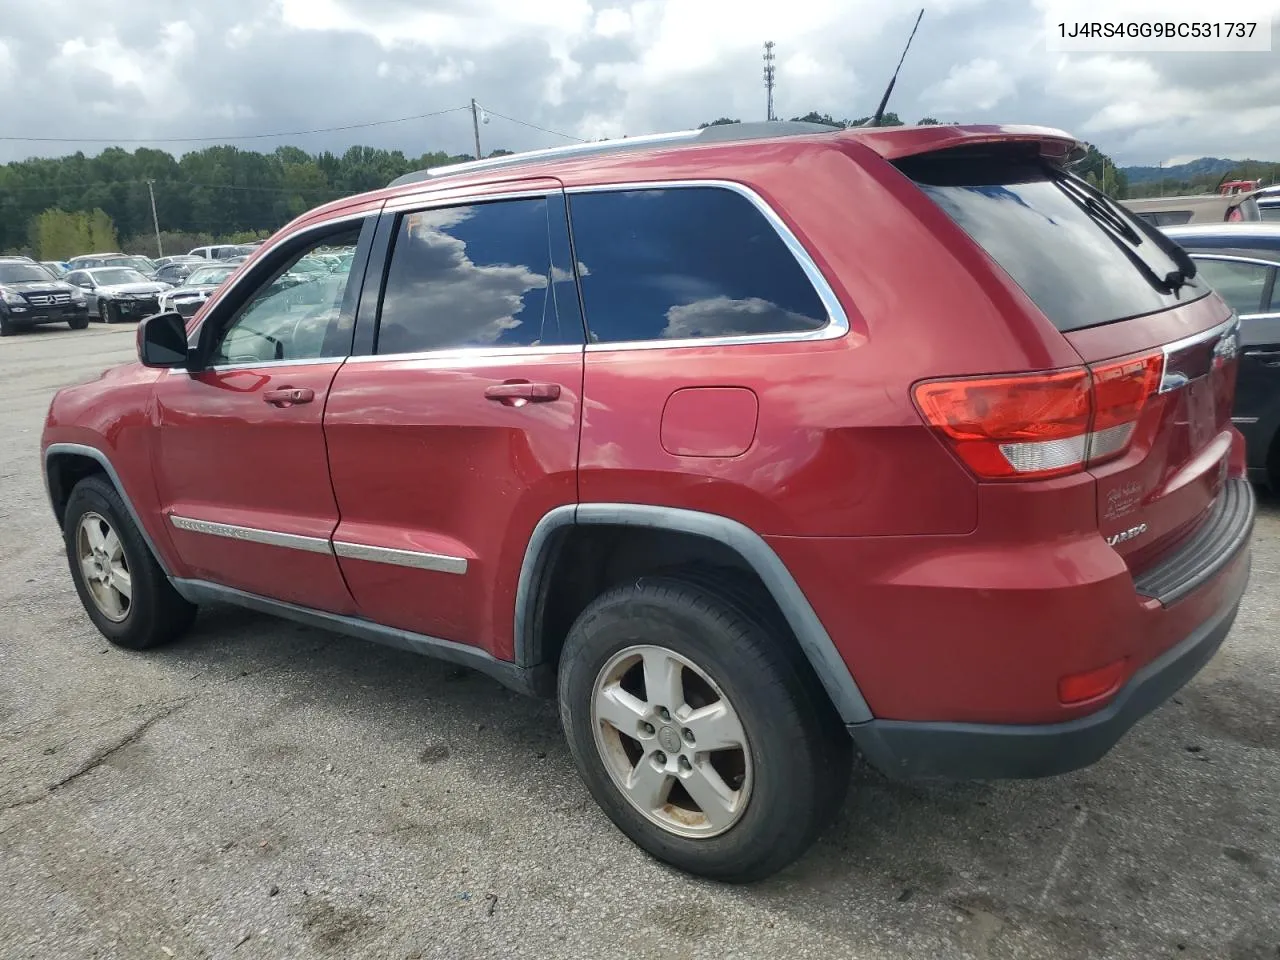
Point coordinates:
[(1080, 257), (208, 276), (23, 273), (138, 263), (107, 276)]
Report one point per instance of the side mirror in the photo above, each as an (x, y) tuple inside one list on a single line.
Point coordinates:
[(162, 341)]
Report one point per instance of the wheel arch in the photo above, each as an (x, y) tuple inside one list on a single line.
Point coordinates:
[(728, 538), (66, 464)]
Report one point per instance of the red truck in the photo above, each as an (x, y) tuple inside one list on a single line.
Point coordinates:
[(753, 445)]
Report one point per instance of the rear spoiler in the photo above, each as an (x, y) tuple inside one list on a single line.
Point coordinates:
[(895, 143)]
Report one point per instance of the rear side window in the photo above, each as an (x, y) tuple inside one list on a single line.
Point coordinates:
[(1242, 285), (475, 276), (1081, 258), (687, 262)]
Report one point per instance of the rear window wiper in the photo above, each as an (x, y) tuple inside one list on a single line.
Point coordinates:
[(1118, 227)]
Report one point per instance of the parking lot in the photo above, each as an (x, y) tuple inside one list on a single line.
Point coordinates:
[(261, 789)]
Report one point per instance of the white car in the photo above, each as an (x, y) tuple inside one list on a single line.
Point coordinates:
[(118, 293)]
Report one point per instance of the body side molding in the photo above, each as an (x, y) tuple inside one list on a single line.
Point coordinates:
[(812, 636)]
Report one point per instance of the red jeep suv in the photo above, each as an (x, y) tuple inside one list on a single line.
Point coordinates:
[(752, 445)]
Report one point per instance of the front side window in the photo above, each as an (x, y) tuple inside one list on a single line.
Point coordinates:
[(479, 275), (1240, 284), (686, 262), (294, 315)]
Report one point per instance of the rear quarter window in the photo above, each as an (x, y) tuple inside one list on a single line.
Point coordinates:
[(1074, 268), (687, 263)]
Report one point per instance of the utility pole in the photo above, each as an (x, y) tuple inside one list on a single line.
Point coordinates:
[(475, 126), (768, 78), (155, 219), (1161, 165)]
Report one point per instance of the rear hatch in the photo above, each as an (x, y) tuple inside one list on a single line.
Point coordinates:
[(1148, 413)]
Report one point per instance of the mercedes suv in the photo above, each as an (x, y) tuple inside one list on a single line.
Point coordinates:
[(751, 445)]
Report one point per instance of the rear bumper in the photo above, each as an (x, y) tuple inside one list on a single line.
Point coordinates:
[(975, 751)]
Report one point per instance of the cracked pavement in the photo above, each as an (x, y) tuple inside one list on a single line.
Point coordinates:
[(262, 789)]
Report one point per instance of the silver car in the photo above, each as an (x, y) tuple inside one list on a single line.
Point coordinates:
[(115, 294)]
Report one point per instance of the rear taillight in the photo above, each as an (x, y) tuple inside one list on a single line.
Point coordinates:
[(1032, 426)]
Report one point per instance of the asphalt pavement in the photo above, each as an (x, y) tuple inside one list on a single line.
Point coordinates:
[(264, 790)]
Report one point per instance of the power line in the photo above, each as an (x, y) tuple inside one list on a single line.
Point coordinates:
[(242, 136), (525, 123)]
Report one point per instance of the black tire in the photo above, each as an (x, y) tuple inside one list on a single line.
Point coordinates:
[(156, 613), (800, 753), (108, 312), (79, 323), (7, 326)]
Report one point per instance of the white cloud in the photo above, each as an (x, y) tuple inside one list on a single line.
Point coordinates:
[(977, 85)]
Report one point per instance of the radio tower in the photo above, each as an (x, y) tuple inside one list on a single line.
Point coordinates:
[(768, 77)]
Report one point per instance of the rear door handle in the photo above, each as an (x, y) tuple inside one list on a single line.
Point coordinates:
[(288, 396), (516, 393)]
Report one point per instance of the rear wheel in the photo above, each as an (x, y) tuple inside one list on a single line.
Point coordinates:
[(123, 589), (79, 322), (699, 731)]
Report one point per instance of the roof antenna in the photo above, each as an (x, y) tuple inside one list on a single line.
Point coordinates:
[(884, 101)]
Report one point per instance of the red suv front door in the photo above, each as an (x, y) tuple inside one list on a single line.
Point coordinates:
[(240, 462), (458, 430)]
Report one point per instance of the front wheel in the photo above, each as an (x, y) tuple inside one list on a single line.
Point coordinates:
[(108, 312), (123, 589), (79, 323), (701, 732), (7, 326)]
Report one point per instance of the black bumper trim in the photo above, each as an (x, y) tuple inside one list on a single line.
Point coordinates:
[(976, 751), (1209, 549)]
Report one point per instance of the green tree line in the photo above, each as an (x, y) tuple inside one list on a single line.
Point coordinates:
[(219, 192)]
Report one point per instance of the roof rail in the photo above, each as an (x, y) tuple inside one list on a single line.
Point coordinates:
[(719, 133)]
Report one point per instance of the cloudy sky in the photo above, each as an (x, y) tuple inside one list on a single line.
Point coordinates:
[(135, 69)]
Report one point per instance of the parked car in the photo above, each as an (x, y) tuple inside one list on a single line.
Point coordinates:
[(90, 260), (816, 438), (176, 272), (30, 296), (191, 295), (58, 268), (115, 294), (1240, 262), (1206, 208), (220, 251)]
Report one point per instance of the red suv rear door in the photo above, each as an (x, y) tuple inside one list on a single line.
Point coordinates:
[(455, 428)]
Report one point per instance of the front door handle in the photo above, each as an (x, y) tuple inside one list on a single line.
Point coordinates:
[(288, 396), (516, 393)]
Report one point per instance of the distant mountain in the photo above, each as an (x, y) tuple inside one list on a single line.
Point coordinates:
[(1205, 166)]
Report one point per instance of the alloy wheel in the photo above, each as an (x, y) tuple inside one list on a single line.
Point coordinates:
[(104, 566), (672, 742)]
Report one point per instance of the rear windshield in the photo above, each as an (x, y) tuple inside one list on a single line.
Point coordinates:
[(1081, 258)]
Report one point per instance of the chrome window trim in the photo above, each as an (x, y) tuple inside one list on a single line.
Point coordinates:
[(471, 353), (272, 538), (1254, 261), (259, 364), (1244, 420), (438, 562), (837, 321)]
